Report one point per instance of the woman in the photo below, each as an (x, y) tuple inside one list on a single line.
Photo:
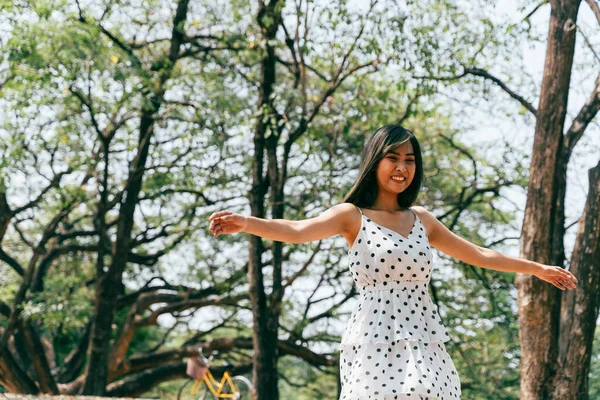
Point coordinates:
[(393, 344)]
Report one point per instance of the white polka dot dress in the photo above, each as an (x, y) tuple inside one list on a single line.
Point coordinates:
[(393, 344)]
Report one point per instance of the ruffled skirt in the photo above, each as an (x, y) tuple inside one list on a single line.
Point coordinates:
[(393, 347)]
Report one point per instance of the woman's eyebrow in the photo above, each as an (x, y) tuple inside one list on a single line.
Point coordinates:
[(398, 154)]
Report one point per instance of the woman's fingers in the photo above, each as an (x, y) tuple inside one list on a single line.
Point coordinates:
[(559, 282), (570, 279), (217, 228), (214, 225), (558, 276), (565, 280), (567, 275), (223, 222), (218, 214)]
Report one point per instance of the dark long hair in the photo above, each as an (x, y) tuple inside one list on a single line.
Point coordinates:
[(364, 191)]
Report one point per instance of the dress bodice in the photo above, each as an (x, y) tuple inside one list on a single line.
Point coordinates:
[(406, 259)]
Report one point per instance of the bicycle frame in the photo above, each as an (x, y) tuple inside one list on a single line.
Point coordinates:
[(216, 387)]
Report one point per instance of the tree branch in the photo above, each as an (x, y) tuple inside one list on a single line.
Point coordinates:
[(409, 106), (582, 120), (184, 304), (28, 276), (465, 152), (12, 262), (141, 383), (53, 184), (497, 81), (72, 364), (594, 6), (305, 266), (540, 4), (482, 73), (175, 302)]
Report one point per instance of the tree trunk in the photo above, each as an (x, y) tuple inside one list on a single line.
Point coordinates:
[(539, 302), (39, 360), (266, 320), (110, 283), (13, 378), (579, 309)]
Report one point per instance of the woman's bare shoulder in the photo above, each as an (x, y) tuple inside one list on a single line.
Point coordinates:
[(349, 211), (345, 207), (419, 210), (352, 220)]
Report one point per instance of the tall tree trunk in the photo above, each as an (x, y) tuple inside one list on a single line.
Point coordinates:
[(539, 302), (110, 283), (266, 320), (579, 309)]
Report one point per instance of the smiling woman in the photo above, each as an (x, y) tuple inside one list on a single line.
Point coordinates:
[(393, 344)]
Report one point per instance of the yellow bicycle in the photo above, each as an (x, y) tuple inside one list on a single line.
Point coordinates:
[(231, 387)]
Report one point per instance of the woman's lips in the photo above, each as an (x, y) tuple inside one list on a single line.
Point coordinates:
[(398, 180)]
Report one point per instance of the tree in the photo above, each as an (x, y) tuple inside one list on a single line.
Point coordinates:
[(270, 128), (549, 324), (83, 48)]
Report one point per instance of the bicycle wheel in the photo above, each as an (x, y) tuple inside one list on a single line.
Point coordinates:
[(243, 385), (202, 394), (186, 384)]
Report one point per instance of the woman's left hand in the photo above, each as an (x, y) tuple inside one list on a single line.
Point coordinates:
[(559, 277)]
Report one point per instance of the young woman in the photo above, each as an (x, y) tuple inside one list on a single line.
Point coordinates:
[(393, 344)]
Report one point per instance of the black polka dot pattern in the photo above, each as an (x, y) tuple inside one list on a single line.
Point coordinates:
[(393, 344)]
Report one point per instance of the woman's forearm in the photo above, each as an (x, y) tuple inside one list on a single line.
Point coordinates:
[(502, 262), (280, 230)]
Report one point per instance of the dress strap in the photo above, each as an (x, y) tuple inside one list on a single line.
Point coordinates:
[(361, 213), (416, 218)]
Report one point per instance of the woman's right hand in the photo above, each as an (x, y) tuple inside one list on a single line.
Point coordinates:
[(227, 222)]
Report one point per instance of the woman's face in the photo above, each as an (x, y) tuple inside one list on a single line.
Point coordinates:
[(396, 169)]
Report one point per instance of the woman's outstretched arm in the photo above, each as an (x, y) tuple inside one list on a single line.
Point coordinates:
[(455, 246), (330, 223)]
